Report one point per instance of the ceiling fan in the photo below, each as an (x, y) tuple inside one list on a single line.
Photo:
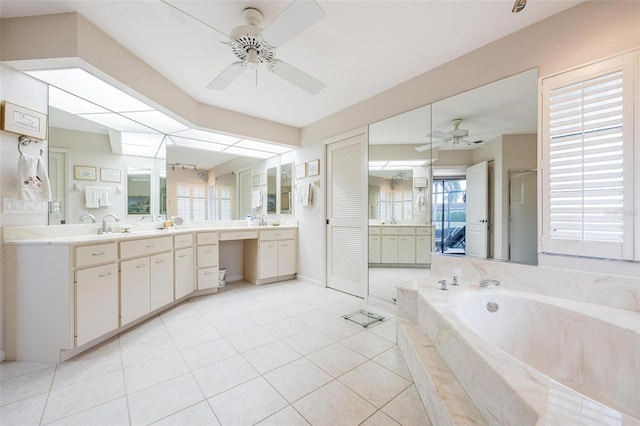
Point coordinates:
[(456, 136), (254, 45)]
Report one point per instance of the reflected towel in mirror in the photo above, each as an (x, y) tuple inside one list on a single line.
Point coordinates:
[(97, 196), (256, 199)]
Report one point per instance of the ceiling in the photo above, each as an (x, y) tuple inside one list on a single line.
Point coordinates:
[(357, 49)]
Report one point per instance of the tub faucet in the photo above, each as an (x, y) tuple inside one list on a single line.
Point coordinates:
[(455, 280), (89, 215), (487, 282), (105, 228), (443, 284)]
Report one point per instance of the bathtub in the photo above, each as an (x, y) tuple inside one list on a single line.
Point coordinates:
[(537, 359)]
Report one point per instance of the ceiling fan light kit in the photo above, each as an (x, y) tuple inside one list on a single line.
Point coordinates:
[(518, 6)]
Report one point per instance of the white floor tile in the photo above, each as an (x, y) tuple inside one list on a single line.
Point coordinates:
[(270, 356), (251, 339), (86, 366), (336, 359), (248, 403), (149, 373), (196, 415), (387, 329), (238, 325), (12, 369), (340, 328), (393, 360), (308, 341), (221, 376), (26, 385), (407, 408), (334, 404), (112, 413), (380, 419), (374, 383), (195, 336), (367, 344), (72, 399), (23, 413), (297, 379), (151, 329), (159, 401), (209, 353), (288, 416), (135, 353), (285, 328)]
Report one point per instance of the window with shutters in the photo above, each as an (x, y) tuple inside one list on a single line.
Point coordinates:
[(587, 160), (191, 201), (219, 200)]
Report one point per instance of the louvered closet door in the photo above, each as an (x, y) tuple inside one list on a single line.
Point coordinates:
[(347, 215)]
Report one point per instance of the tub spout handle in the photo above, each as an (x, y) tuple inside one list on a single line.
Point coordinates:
[(443, 284), (487, 283)]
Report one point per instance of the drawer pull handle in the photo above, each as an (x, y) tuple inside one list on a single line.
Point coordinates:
[(208, 273), (159, 261), (149, 245), (284, 245), (98, 254), (208, 251), (105, 275), (182, 255), (141, 266)]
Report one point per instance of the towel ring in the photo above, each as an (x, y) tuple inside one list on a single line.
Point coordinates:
[(25, 140)]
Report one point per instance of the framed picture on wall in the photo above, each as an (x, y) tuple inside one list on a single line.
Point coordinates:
[(313, 168), (110, 175), (23, 121), (84, 173), (301, 170)]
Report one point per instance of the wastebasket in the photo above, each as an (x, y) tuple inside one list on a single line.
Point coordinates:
[(222, 277)]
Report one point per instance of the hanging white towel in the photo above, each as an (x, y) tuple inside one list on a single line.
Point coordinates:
[(256, 199), (92, 197), (303, 197), (420, 203), (105, 196), (33, 180)]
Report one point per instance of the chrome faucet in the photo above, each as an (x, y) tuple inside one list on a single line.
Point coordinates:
[(443, 284), (393, 220), (89, 215), (487, 282), (105, 228), (455, 280)]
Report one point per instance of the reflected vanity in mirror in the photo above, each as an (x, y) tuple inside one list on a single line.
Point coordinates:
[(479, 150), (272, 190), (286, 189)]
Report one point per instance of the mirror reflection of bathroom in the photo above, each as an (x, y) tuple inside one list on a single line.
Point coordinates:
[(477, 151)]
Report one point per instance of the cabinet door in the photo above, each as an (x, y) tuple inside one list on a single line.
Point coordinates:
[(135, 289), (161, 280), (406, 249), (268, 259), (423, 249), (208, 278), (183, 272), (96, 302), (208, 256), (287, 257), (374, 249), (389, 249)]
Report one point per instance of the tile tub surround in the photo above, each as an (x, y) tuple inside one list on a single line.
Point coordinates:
[(621, 292), (279, 354), (505, 390)]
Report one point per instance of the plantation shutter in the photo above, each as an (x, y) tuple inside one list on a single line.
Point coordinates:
[(588, 162)]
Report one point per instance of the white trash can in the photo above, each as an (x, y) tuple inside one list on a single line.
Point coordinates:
[(222, 278)]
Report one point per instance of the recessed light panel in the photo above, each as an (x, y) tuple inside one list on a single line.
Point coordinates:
[(156, 120), (248, 152), (192, 143), (207, 136), (117, 122), (262, 146), (70, 103)]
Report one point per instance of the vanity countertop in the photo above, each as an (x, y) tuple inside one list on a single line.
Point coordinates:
[(79, 234)]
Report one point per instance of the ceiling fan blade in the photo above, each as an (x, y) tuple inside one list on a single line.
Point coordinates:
[(428, 146), (226, 77), (296, 77), (437, 134), (180, 15), (295, 19)]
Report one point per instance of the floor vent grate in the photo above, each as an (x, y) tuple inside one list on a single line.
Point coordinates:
[(364, 318)]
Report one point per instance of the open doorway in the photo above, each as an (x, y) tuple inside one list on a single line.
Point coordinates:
[(449, 214)]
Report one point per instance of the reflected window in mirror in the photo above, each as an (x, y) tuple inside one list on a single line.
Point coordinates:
[(272, 190), (162, 193), (138, 191), (191, 200), (286, 199), (221, 197)]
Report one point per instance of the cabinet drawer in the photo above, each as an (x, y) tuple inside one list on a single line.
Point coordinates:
[(207, 237), (393, 230), (98, 253), (207, 256), (238, 235), (284, 234), (423, 230), (207, 278), (144, 247), (374, 230), (183, 240)]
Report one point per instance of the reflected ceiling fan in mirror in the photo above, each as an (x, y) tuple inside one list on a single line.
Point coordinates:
[(456, 136), (254, 45)]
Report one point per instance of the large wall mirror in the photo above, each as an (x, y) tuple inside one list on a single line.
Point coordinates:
[(480, 184)]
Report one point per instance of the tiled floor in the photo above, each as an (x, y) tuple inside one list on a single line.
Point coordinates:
[(279, 354)]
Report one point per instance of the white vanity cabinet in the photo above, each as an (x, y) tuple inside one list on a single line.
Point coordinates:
[(274, 257), (207, 260), (424, 244), (183, 265), (375, 245), (96, 291), (136, 268)]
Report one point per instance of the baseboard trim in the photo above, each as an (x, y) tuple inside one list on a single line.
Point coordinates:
[(310, 280), (2, 358)]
